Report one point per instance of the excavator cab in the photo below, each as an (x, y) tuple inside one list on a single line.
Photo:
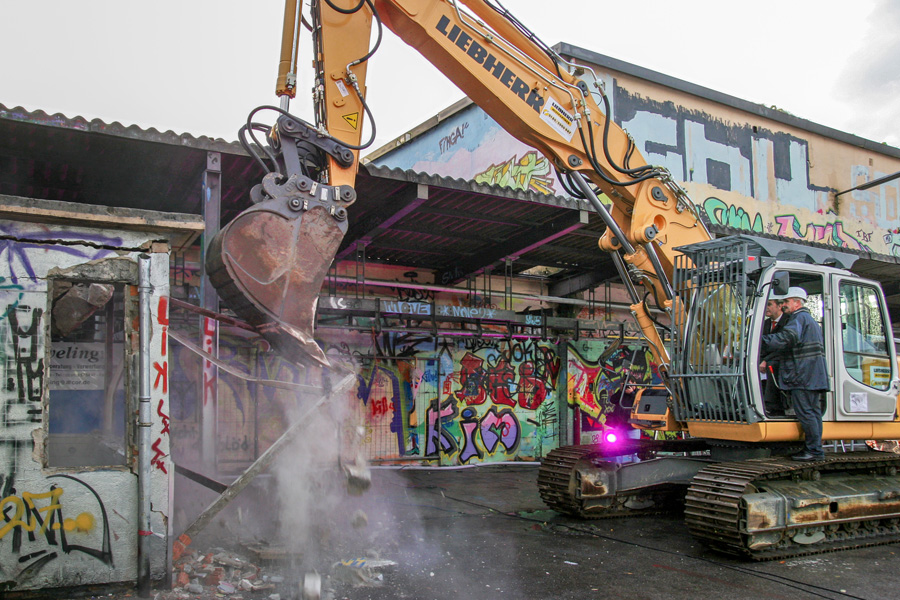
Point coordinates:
[(723, 286)]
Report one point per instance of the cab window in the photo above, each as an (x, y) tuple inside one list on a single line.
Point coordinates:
[(863, 335)]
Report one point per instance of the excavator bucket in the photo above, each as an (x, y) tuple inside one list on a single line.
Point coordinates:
[(268, 264)]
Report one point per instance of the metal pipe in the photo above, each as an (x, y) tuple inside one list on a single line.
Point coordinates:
[(453, 290), (657, 266), (871, 184), (619, 262), (144, 433), (585, 189)]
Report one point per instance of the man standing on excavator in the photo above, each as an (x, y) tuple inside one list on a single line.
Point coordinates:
[(802, 371)]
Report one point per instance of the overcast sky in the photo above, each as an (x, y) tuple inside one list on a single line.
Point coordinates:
[(199, 66)]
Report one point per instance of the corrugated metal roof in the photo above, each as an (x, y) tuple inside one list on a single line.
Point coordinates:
[(455, 227), (460, 229), (465, 185), (78, 123), (70, 159)]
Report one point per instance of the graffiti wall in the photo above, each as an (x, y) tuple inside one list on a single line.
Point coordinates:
[(603, 376), (452, 401), (68, 497), (469, 400), (742, 170)]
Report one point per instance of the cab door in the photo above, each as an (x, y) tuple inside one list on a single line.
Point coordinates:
[(865, 364)]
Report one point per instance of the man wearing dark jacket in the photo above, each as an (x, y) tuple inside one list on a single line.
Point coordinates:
[(802, 371), (774, 399)]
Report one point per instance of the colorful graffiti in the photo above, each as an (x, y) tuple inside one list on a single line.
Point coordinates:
[(599, 386), (492, 401), (385, 393), (759, 161), (531, 173), (787, 226), (481, 399), (892, 240), (54, 527)]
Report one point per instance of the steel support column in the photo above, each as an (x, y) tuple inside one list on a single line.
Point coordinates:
[(212, 203)]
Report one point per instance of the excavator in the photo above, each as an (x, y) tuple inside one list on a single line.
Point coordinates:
[(731, 469)]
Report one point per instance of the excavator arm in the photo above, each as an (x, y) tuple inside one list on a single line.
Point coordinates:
[(272, 267)]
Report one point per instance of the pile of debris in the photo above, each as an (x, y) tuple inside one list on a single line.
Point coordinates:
[(223, 574)]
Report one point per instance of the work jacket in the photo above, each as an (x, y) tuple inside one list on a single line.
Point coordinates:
[(801, 353), (773, 356)]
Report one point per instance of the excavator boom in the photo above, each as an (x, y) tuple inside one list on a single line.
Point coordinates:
[(273, 278), (743, 496)]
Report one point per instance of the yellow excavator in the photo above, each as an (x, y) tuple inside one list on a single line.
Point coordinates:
[(741, 492)]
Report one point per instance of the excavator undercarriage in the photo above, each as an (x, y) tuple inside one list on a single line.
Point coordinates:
[(760, 508)]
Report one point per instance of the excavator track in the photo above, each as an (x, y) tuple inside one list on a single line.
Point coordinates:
[(556, 478), (561, 481), (813, 505)]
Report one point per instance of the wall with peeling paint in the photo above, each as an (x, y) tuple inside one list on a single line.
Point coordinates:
[(64, 526), (741, 169)]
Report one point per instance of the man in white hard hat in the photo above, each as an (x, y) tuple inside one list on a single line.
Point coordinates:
[(802, 371)]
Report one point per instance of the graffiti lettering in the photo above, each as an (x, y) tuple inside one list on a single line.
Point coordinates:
[(788, 226), (413, 294), (475, 344), (730, 215), (374, 394), (162, 376), (446, 310), (407, 308), (530, 174), (39, 515), (158, 456), (500, 380), (498, 426), (532, 390), (164, 418), (209, 370), (832, 233), (28, 361), (436, 438), (448, 141), (534, 320)]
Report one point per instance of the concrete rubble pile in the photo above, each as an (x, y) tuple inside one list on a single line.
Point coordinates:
[(221, 574)]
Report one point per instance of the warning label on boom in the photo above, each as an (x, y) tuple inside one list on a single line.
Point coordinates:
[(353, 119)]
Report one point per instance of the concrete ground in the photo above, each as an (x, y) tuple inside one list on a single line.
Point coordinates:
[(483, 532)]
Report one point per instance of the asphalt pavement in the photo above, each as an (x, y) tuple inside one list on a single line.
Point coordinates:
[(484, 533)]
